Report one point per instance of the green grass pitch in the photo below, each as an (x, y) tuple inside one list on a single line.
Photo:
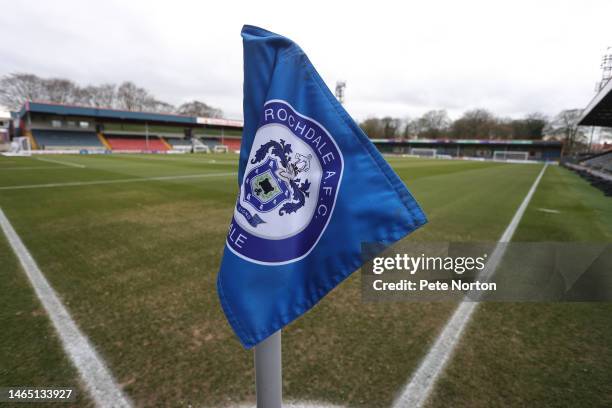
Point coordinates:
[(132, 244)]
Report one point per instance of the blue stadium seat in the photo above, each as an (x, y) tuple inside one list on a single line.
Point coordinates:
[(211, 143), (596, 169), (600, 162), (64, 139), (178, 142)]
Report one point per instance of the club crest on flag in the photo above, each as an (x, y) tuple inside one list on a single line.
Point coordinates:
[(289, 188), (278, 179)]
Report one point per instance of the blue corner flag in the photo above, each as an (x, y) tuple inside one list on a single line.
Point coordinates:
[(313, 188)]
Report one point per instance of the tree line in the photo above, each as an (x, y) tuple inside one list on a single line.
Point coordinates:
[(476, 124), (17, 88)]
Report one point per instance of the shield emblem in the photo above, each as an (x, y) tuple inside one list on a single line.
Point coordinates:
[(264, 189)]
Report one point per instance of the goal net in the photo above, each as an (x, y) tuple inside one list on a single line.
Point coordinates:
[(423, 152), (20, 146), (199, 147), (221, 149), (506, 155)]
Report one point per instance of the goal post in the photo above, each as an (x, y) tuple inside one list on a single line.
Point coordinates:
[(423, 152), (198, 146), (20, 146), (201, 148), (510, 155), (221, 149)]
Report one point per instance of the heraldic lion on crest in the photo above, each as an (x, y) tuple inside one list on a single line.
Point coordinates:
[(289, 172)]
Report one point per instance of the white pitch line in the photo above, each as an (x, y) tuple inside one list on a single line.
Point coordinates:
[(549, 211), (117, 181), (64, 163), (179, 159), (96, 376), (33, 168), (417, 391), (298, 404)]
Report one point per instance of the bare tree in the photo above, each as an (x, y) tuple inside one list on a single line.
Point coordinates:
[(83, 96), (476, 123), (105, 96), (17, 88), (101, 96), (372, 127), (131, 97), (566, 125), (432, 124), (410, 128), (502, 128), (530, 127), (60, 90), (390, 127), (198, 108), (153, 105)]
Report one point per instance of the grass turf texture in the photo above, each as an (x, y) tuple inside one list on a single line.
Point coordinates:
[(542, 354), (136, 265), (30, 351)]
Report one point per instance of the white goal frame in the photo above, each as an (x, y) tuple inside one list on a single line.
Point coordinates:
[(424, 152), (510, 155), (201, 148), (221, 149), (20, 146), (198, 146)]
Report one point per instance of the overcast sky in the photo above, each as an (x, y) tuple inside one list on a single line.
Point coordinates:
[(398, 58)]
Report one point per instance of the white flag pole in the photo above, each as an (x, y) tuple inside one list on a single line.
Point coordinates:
[(268, 372)]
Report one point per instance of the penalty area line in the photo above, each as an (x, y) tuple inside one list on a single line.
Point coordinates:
[(96, 376), (420, 386)]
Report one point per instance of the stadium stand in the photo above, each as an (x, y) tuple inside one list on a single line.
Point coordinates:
[(217, 133), (541, 150), (72, 129), (178, 142), (597, 169), (232, 144), (57, 139), (601, 162), (141, 129), (211, 143), (136, 143)]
